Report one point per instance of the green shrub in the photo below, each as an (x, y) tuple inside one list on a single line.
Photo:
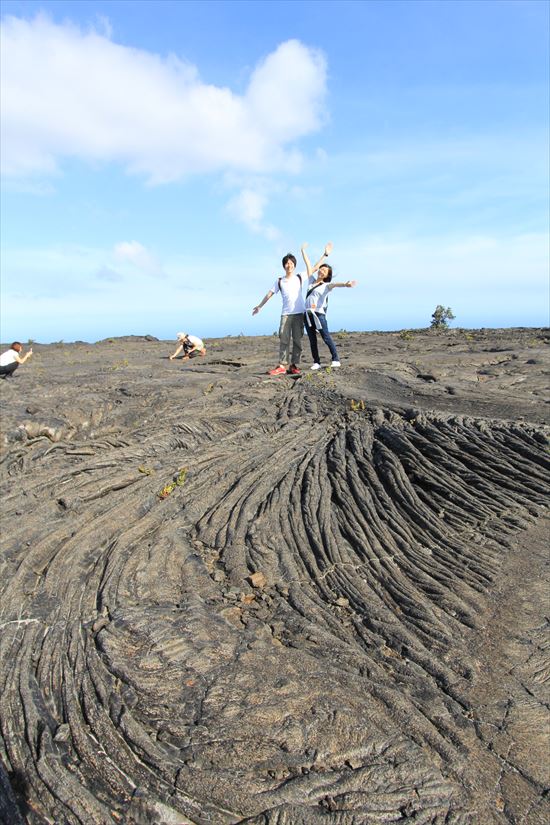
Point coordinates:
[(441, 317)]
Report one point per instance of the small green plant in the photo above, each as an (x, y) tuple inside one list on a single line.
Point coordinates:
[(179, 481), (406, 334), (321, 378), (356, 406), (341, 334), (166, 490), (30, 342), (441, 316), (119, 364)]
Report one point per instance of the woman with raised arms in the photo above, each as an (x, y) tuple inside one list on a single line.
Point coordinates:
[(320, 286)]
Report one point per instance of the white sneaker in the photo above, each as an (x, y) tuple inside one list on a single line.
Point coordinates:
[(335, 364), (316, 367)]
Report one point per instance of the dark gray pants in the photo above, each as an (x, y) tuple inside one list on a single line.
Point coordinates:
[(291, 327), (8, 370)]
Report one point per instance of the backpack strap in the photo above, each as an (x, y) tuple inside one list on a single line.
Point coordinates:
[(310, 290)]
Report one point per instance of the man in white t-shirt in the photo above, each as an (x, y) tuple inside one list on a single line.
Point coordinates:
[(191, 346), (11, 358), (291, 327)]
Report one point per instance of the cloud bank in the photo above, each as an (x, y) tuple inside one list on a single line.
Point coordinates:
[(87, 292), (68, 93)]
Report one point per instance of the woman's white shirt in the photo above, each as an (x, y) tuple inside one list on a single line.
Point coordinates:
[(8, 357), (317, 299)]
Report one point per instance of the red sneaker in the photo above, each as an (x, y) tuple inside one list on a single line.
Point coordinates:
[(277, 371), (294, 370)]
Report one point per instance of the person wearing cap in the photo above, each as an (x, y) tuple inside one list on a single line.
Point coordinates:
[(11, 358), (191, 345)]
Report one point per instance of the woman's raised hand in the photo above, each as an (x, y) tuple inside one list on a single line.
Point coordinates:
[(328, 248)]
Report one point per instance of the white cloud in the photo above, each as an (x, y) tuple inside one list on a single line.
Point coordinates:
[(54, 271), (280, 91), (136, 254), (248, 207), (68, 93)]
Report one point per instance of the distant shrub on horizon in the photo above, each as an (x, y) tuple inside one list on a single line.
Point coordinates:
[(441, 316)]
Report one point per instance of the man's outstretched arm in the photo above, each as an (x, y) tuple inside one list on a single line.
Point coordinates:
[(264, 300)]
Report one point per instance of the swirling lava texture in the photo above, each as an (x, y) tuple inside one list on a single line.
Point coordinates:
[(292, 634)]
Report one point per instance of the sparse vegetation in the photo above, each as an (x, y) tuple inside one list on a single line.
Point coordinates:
[(357, 406), (179, 481), (119, 364), (341, 334), (406, 334), (321, 378), (441, 317)]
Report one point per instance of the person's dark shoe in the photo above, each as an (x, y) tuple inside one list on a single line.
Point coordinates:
[(293, 370)]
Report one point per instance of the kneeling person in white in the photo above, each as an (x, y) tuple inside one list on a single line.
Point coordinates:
[(11, 358), (191, 345)]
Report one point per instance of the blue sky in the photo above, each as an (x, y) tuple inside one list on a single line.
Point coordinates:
[(159, 158)]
